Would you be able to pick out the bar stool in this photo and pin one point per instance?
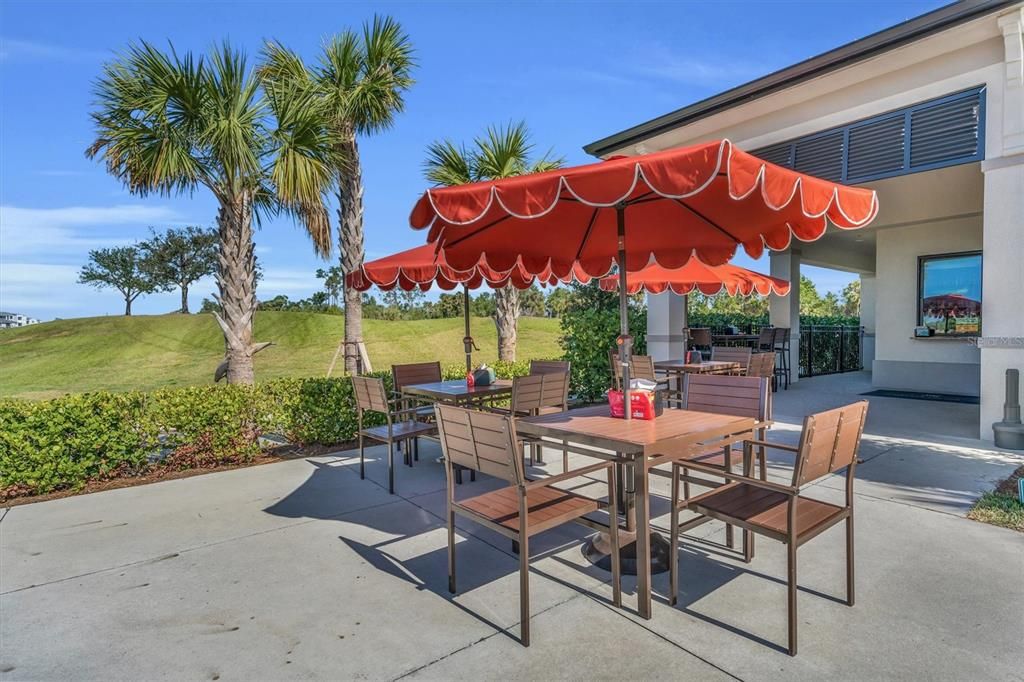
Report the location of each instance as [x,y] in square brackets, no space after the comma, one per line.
[780,344]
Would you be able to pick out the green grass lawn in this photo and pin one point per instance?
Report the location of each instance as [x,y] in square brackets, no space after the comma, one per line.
[155,351]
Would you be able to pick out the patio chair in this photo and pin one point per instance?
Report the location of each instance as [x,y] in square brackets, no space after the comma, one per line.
[486,442]
[700,339]
[740,354]
[765,338]
[534,395]
[780,345]
[415,373]
[722,394]
[549,366]
[828,445]
[400,426]
[763,365]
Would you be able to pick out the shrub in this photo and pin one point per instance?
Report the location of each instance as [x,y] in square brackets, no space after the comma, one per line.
[590,326]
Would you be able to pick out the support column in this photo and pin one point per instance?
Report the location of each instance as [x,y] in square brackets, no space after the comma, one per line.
[784,311]
[868,292]
[1002,325]
[666,317]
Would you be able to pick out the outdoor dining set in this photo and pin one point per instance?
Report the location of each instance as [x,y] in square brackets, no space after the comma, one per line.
[712,437]
[664,221]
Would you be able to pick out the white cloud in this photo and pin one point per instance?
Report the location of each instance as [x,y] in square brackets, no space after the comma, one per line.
[25,231]
[289,282]
[12,49]
[31,288]
[659,61]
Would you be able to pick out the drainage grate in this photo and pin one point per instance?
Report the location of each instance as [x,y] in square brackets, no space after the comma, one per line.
[934,397]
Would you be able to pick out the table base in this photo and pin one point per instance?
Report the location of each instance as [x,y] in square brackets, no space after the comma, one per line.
[597,550]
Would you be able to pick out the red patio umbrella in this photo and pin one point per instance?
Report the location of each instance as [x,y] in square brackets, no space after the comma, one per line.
[424,266]
[664,207]
[696,276]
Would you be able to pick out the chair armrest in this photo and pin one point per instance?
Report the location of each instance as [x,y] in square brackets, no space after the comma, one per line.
[756,482]
[777,446]
[409,410]
[575,473]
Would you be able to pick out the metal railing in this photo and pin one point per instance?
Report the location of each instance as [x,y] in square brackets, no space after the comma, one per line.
[830,350]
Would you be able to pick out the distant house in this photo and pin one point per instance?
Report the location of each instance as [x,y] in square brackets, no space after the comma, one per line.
[9,320]
[930,113]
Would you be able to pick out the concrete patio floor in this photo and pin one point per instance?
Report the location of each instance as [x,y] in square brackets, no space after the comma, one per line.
[301,570]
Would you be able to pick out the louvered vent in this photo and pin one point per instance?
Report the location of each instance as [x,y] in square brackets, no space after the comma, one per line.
[779,154]
[876,148]
[821,156]
[945,132]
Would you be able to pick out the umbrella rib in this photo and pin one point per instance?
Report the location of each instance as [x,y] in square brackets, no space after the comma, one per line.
[456,242]
[709,221]
[586,235]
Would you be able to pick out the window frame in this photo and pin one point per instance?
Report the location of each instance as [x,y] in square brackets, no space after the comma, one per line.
[921,260]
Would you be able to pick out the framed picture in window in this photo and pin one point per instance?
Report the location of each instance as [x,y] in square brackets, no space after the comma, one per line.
[949,293]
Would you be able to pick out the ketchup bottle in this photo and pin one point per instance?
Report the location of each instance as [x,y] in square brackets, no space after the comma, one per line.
[469,380]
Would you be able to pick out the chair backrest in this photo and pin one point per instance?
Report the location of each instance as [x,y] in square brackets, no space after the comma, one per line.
[724,394]
[732,354]
[482,441]
[761,365]
[829,442]
[533,392]
[642,367]
[415,373]
[766,337]
[549,366]
[700,336]
[780,337]
[370,394]
[613,361]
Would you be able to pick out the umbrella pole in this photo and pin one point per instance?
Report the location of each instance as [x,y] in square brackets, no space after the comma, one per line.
[625,341]
[467,340]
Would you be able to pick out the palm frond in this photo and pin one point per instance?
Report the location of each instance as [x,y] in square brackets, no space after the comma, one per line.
[448,164]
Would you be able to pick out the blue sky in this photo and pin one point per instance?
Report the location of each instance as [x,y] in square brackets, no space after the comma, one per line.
[574,71]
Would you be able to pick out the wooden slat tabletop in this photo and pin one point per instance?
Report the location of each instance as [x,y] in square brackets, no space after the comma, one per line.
[706,367]
[456,390]
[596,427]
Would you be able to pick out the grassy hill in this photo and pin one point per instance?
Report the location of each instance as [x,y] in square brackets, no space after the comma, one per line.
[145,352]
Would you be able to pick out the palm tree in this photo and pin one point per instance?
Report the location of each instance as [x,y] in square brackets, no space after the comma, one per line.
[503,152]
[361,79]
[168,124]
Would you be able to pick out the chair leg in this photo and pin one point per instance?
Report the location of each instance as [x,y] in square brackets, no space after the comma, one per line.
[730,542]
[613,536]
[524,590]
[416,449]
[362,456]
[565,456]
[391,467]
[673,548]
[451,551]
[791,561]
[849,560]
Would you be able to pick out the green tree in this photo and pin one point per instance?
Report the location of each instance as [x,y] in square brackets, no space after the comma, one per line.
[851,299]
[334,282]
[361,79]
[557,301]
[179,257]
[122,268]
[168,123]
[503,152]
[482,305]
[449,305]
[531,301]
[590,326]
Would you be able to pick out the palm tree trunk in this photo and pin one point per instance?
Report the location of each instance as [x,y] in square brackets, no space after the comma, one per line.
[184,298]
[350,235]
[506,317]
[236,281]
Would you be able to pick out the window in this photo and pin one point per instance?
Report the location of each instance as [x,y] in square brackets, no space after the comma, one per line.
[949,293]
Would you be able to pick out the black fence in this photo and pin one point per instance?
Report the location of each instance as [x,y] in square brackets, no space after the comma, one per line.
[830,350]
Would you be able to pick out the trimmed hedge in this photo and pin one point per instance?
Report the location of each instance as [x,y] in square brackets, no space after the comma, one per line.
[69,441]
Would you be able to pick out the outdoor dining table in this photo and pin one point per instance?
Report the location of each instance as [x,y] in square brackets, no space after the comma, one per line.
[675,369]
[634,445]
[456,392]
